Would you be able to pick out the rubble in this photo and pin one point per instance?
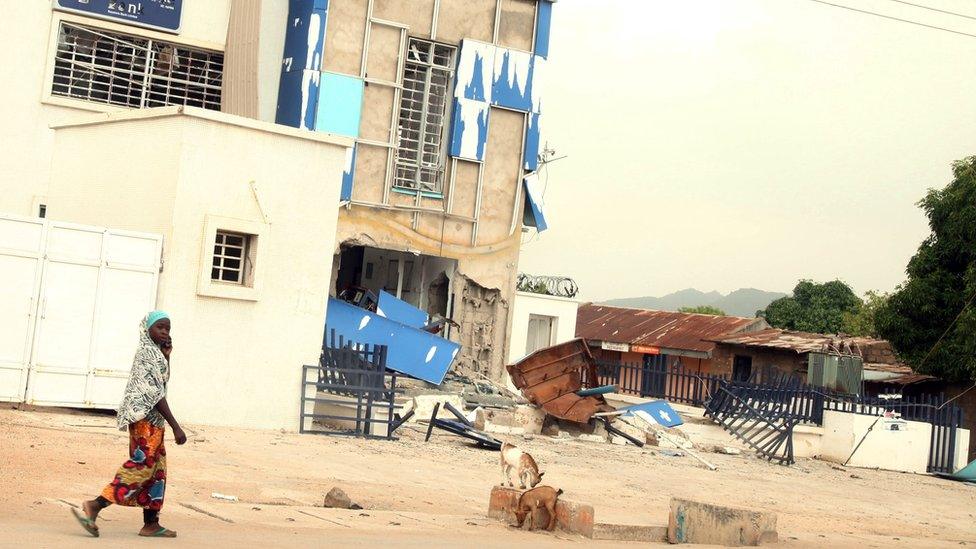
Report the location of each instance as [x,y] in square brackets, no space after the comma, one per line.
[338,499]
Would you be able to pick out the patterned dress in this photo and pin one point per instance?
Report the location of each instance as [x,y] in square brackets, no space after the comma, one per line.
[141,480]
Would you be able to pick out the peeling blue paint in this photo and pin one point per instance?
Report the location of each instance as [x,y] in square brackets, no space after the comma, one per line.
[469,131]
[340,104]
[305,35]
[476,64]
[531,153]
[534,214]
[298,93]
[543,22]
[512,80]
[347,174]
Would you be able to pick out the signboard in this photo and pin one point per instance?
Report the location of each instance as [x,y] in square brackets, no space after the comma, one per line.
[610,346]
[164,15]
[656,411]
[647,350]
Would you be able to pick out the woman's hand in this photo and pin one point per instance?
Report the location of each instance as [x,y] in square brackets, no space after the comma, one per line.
[179,435]
[167,348]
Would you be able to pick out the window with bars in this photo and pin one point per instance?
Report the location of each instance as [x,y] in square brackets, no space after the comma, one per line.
[96,65]
[230,258]
[427,77]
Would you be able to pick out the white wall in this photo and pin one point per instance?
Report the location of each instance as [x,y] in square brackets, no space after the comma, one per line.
[27,35]
[526,304]
[236,362]
[906,450]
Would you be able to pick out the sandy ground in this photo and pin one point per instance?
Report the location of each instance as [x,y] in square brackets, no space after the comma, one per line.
[434,494]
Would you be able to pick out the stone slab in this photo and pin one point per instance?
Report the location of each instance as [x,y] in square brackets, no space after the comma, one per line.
[571,516]
[697,522]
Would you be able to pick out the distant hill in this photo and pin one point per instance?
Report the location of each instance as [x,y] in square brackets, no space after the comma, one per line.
[742,302]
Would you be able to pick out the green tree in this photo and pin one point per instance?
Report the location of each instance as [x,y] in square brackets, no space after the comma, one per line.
[813,307]
[930,318]
[703,310]
[861,323]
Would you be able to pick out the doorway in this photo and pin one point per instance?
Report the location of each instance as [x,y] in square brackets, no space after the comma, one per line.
[741,368]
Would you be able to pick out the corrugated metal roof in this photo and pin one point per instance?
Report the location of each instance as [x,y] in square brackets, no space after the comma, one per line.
[665,329]
[774,338]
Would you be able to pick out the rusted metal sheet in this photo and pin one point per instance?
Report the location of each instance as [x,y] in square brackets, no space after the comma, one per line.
[550,378]
[683,331]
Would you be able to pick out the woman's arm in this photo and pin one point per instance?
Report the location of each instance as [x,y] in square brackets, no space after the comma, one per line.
[163,407]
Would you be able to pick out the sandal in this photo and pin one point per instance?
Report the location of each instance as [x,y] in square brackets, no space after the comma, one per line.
[86,523]
[161,533]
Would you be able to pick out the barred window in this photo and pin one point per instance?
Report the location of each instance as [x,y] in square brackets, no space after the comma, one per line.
[96,65]
[230,258]
[427,77]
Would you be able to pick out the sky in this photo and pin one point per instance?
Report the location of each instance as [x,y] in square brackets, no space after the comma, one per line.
[721,144]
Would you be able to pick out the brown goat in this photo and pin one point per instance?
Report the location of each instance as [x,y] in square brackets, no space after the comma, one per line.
[536,498]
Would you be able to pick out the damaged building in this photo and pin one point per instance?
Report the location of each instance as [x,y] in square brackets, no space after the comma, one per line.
[443,99]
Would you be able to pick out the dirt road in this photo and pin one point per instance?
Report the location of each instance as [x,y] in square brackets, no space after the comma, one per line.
[435,494]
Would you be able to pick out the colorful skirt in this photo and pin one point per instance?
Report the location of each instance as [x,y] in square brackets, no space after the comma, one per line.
[141,481]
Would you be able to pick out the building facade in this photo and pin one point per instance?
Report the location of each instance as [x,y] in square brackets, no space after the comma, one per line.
[440,98]
[444,100]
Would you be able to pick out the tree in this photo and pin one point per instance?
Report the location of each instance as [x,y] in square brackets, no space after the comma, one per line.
[703,310]
[930,319]
[813,307]
[861,323]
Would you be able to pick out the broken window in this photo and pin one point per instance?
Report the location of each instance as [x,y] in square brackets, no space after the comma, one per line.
[420,156]
[129,71]
[230,258]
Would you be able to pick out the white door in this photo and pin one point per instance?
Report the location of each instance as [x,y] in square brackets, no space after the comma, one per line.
[97,284]
[71,299]
[21,252]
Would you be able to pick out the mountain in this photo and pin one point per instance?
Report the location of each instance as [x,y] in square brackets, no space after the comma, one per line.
[742,302]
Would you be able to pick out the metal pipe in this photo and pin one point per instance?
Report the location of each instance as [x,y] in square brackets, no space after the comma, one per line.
[433,20]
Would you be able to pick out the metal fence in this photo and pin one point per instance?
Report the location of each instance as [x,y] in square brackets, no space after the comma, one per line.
[656,380]
[350,392]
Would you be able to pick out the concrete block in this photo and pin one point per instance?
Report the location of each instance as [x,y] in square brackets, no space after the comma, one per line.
[423,406]
[696,522]
[521,420]
[571,516]
[630,532]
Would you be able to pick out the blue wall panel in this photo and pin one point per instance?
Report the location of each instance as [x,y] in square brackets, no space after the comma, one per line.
[532,142]
[476,65]
[410,351]
[534,216]
[340,104]
[298,93]
[542,23]
[345,193]
[305,35]
[469,129]
[512,80]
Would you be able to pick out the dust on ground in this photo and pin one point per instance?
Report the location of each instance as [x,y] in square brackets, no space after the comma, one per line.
[418,494]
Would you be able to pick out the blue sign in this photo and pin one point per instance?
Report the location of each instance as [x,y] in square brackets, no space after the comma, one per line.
[659,410]
[401,311]
[164,15]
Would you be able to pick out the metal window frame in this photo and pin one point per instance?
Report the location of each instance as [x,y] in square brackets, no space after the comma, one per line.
[220,242]
[152,87]
[418,184]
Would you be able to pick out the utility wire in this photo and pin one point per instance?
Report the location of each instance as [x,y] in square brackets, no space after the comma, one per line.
[934,9]
[893,18]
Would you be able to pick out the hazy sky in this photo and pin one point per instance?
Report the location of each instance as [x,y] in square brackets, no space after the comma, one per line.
[721,144]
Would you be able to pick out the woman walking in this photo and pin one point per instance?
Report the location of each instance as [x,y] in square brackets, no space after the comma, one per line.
[144,412]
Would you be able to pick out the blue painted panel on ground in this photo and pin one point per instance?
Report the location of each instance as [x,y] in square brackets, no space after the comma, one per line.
[305,35]
[340,104]
[409,351]
[659,410]
[298,93]
[397,309]
[165,15]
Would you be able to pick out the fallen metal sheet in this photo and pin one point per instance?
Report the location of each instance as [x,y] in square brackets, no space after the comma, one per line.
[550,378]
[409,351]
[399,310]
[462,428]
[658,410]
